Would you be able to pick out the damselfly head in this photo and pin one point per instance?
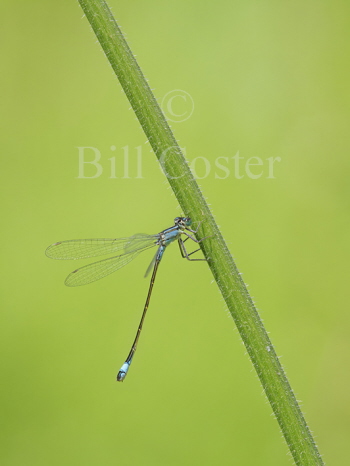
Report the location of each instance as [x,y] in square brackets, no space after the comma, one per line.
[183,221]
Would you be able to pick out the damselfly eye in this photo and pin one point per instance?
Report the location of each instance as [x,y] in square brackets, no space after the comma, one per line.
[186,221]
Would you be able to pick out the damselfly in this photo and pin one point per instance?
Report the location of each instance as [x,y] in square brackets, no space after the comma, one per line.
[129,248]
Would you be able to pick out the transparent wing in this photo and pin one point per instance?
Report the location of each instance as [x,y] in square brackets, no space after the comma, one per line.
[83,248]
[151,265]
[97,270]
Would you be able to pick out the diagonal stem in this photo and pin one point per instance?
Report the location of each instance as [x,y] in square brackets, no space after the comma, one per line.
[192,202]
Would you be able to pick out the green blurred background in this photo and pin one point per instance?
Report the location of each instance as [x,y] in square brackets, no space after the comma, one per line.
[268,79]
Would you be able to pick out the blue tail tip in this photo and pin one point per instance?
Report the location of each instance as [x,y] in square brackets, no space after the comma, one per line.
[123,371]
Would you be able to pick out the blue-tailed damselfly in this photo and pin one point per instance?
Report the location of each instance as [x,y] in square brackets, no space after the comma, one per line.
[130,248]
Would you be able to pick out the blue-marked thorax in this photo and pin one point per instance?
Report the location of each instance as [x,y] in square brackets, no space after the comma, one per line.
[171,235]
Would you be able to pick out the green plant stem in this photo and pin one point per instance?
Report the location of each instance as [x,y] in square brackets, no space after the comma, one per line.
[191,200]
